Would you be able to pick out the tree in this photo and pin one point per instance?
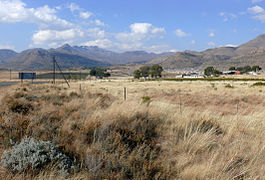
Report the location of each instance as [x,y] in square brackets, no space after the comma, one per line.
[244,69]
[145,71]
[255,68]
[107,74]
[156,70]
[216,72]
[232,68]
[93,72]
[137,74]
[208,71]
[99,73]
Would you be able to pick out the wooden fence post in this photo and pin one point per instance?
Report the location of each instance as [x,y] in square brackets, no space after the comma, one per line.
[124,93]
[180,110]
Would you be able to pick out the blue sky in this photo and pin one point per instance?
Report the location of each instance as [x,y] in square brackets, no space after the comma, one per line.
[127,25]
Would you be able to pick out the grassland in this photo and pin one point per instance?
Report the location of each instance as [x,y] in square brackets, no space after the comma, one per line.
[164,129]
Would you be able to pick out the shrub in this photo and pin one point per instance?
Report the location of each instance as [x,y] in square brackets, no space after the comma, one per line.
[146,99]
[18,106]
[229,86]
[126,149]
[34,155]
[258,84]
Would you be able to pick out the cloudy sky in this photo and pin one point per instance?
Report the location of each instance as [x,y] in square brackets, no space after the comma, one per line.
[126,25]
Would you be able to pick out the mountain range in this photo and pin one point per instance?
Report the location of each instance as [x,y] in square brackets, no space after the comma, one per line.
[250,53]
[71,56]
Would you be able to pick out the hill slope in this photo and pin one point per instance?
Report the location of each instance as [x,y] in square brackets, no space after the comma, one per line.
[42,59]
[94,52]
[250,53]
[6,54]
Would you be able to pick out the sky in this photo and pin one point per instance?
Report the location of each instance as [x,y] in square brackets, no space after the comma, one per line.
[129,25]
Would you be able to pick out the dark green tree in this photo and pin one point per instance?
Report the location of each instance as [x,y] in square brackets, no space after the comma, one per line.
[137,74]
[216,72]
[208,71]
[256,68]
[99,73]
[156,71]
[232,68]
[145,71]
[107,74]
[244,69]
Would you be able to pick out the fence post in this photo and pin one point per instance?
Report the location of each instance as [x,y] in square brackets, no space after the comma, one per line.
[22,78]
[53,70]
[180,110]
[124,93]
[237,109]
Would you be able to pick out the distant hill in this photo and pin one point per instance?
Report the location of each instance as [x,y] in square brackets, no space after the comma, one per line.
[34,59]
[72,56]
[6,54]
[250,53]
[111,57]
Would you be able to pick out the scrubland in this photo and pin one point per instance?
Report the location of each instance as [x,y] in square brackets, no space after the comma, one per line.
[163,130]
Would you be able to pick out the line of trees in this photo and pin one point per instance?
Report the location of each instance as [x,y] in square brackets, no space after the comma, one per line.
[154,71]
[99,73]
[245,69]
[211,71]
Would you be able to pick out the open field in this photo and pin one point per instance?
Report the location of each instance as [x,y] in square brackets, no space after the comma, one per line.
[164,129]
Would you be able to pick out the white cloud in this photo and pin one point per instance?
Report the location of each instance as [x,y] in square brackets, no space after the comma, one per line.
[212,44]
[211,34]
[13,11]
[256,1]
[227,16]
[85,15]
[260,17]
[231,45]
[193,42]
[97,22]
[6,46]
[102,43]
[139,32]
[256,10]
[82,14]
[95,33]
[55,37]
[73,7]
[180,33]
[259,13]
[144,28]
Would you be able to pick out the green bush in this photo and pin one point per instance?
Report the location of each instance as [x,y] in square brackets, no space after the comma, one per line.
[259,84]
[229,86]
[146,99]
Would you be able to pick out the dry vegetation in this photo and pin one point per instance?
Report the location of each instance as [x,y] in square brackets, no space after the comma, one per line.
[164,130]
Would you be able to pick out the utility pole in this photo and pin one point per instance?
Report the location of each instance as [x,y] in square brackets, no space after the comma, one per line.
[10,74]
[61,73]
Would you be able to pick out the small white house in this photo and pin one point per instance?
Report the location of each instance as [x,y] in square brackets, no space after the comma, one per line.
[189,75]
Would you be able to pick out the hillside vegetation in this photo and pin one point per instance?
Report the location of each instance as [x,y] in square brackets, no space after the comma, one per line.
[164,130]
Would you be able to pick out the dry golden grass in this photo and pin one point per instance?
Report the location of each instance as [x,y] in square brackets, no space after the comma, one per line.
[199,130]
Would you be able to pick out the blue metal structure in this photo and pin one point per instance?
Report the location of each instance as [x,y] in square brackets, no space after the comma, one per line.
[26,75]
